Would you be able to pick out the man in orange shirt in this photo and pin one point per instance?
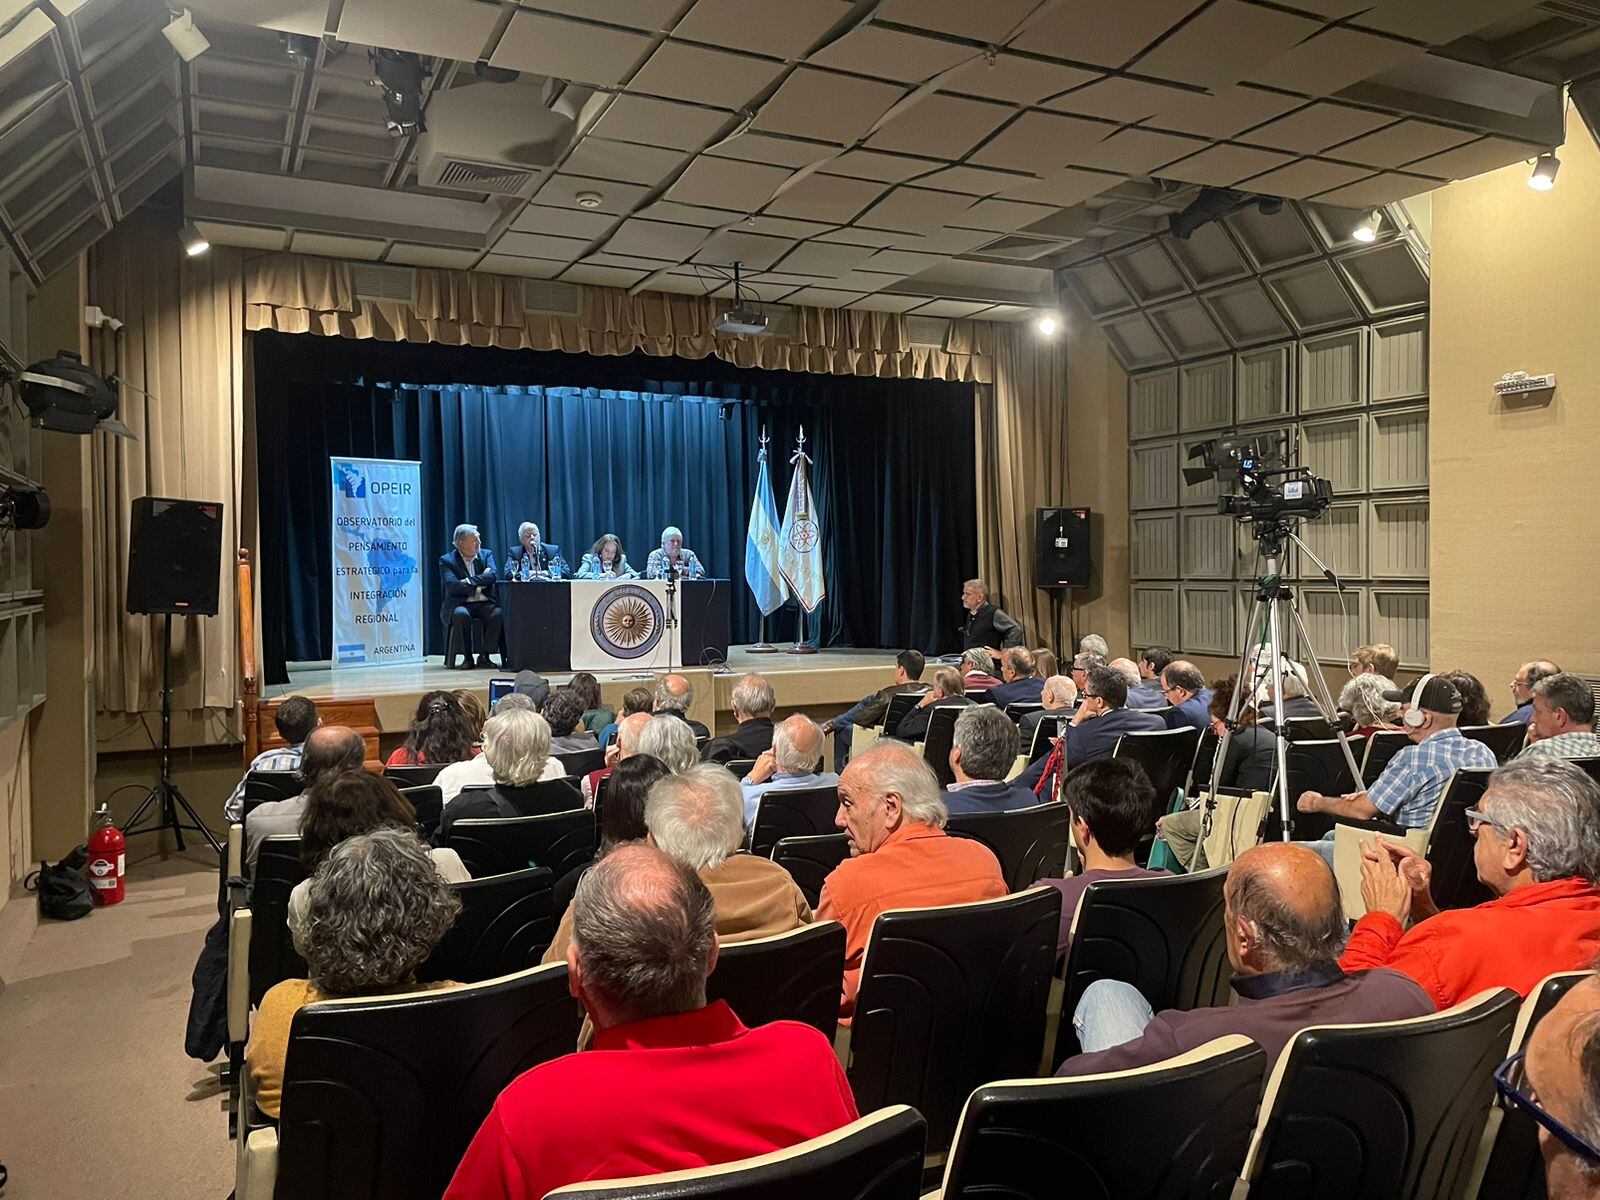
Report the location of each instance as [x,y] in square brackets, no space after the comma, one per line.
[1537,847]
[901,857]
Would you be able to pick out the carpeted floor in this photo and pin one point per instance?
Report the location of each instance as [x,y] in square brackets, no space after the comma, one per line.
[96,1095]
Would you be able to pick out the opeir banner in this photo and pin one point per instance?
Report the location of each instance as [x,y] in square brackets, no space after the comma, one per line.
[377,549]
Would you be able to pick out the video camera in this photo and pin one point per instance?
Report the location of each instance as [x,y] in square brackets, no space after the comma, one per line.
[1255,467]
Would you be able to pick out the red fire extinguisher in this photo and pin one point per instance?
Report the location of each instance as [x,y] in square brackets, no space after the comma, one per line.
[106,864]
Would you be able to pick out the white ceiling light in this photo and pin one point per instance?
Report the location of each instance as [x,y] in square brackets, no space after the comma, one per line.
[1544,172]
[194,242]
[1367,230]
[589,199]
[188,41]
[1047,324]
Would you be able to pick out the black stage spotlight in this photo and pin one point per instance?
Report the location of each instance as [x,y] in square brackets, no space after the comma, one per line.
[300,47]
[1214,203]
[65,396]
[24,508]
[400,74]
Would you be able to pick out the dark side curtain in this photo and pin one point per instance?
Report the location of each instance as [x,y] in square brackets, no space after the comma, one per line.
[584,445]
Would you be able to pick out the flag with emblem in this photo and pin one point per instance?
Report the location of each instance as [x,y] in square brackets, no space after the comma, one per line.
[761,543]
[800,539]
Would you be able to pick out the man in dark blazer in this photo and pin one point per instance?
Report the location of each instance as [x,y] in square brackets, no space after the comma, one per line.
[468,578]
[983,748]
[753,701]
[531,549]
[1185,689]
[1100,721]
[985,624]
[948,692]
[1021,675]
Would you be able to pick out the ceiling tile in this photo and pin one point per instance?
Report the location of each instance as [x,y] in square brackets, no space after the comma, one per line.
[777,151]
[1486,154]
[891,54]
[1227,112]
[1224,165]
[619,198]
[1134,342]
[1118,98]
[1108,33]
[1386,276]
[784,30]
[748,249]
[1246,314]
[456,29]
[615,277]
[915,210]
[1188,327]
[1384,188]
[1063,188]
[953,308]
[653,122]
[256,238]
[946,241]
[786,227]
[539,245]
[1402,143]
[1315,127]
[874,164]
[1015,78]
[1272,241]
[1439,21]
[1334,59]
[687,214]
[335,246]
[290,16]
[888,302]
[1002,216]
[653,15]
[941,126]
[679,71]
[823,258]
[1040,142]
[431,256]
[826,106]
[567,222]
[528,268]
[975,181]
[1313,296]
[1225,43]
[727,183]
[830,198]
[1137,151]
[901,262]
[1149,271]
[627,261]
[851,236]
[988,22]
[655,239]
[822,298]
[1100,288]
[1208,256]
[1305,178]
[629,162]
[565,49]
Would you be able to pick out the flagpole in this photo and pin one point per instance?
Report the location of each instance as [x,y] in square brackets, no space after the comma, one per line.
[800,646]
[763,646]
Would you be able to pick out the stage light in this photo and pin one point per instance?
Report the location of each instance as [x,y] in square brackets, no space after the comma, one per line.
[24,508]
[400,74]
[194,242]
[1047,324]
[188,41]
[1367,229]
[1544,172]
[64,396]
[301,48]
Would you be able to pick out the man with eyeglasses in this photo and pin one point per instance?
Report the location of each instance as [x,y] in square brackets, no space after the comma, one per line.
[1101,720]
[1522,685]
[1185,690]
[1556,1081]
[1536,846]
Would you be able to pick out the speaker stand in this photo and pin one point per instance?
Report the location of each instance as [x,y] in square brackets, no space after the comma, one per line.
[165,797]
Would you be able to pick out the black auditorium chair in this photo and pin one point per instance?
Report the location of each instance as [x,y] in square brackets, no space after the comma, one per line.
[579,763]
[792,812]
[791,976]
[878,1157]
[936,744]
[1455,882]
[1031,843]
[1590,766]
[1505,740]
[810,860]
[978,696]
[1315,766]
[1176,1130]
[428,800]
[272,954]
[1166,757]
[1163,934]
[262,786]
[1307,729]
[950,998]
[739,767]
[900,704]
[1022,708]
[1387,1111]
[1381,747]
[413,776]
[1048,727]
[1205,754]
[505,925]
[498,845]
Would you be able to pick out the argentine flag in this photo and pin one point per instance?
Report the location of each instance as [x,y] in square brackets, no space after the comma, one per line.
[761,543]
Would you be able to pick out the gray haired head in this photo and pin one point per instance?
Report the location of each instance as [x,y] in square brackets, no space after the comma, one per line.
[463,532]
[753,697]
[516,742]
[670,739]
[987,740]
[797,744]
[1557,806]
[697,817]
[895,768]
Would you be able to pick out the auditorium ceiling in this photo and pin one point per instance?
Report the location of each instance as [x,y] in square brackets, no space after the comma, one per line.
[937,157]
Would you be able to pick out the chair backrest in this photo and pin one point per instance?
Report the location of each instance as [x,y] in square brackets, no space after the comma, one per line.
[1306,729]
[261,786]
[428,800]
[382,1095]
[1162,934]
[790,976]
[1505,740]
[1172,1131]
[1166,757]
[580,762]
[1591,766]
[977,695]
[1205,754]
[413,776]
[273,957]
[878,1157]
[499,845]
[1450,847]
[1381,747]
[810,860]
[951,998]
[899,705]
[1424,1086]
[1316,766]
[739,767]
[1049,727]
[792,812]
[1031,843]
[505,925]
[1022,708]
[941,736]
[600,800]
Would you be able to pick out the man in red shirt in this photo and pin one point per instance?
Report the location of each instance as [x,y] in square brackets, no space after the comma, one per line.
[1537,847]
[672,1082]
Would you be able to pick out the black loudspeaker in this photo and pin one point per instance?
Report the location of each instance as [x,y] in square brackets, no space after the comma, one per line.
[174,556]
[1061,548]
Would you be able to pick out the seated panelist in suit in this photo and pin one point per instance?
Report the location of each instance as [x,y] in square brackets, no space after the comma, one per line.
[671,556]
[533,552]
[468,576]
[606,560]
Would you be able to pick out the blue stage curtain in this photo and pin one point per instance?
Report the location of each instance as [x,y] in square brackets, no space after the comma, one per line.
[585,445]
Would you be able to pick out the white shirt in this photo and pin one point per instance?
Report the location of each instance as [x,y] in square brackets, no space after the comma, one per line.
[476,772]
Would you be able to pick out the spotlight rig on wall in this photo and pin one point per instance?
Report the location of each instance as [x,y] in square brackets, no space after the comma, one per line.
[400,74]
[1214,203]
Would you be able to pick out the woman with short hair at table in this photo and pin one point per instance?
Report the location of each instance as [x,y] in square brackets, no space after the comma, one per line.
[606,560]
[673,555]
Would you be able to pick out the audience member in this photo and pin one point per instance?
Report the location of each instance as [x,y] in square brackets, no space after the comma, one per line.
[1474,699]
[1528,674]
[1284,929]
[1058,696]
[671,740]
[625,747]
[1363,699]
[901,857]
[517,747]
[1251,764]
[562,712]
[373,913]
[328,750]
[791,763]
[1563,719]
[674,698]
[621,818]
[982,753]
[595,715]
[634,700]
[672,1082]
[472,708]
[986,625]
[476,771]
[1296,701]
[1093,732]
[977,670]
[1557,1082]
[1537,848]
[753,701]
[1111,802]
[1375,658]
[870,711]
[1045,663]
[1022,681]
[295,718]
[949,691]
[1185,689]
[1150,693]
[1128,670]
[1093,643]
[440,733]
[1082,663]
[532,685]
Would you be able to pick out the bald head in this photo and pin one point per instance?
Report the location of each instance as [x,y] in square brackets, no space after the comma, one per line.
[797,744]
[330,749]
[628,731]
[1283,911]
[1528,674]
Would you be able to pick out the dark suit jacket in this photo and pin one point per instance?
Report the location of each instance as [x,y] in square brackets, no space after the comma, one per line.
[1194,713]
[460,578]
[514,556]
[502,800]
[1018,691]
[699,730]
[1521,715]
[990,627]
[1097,737]
[914,725]
[748,741]
[998,796]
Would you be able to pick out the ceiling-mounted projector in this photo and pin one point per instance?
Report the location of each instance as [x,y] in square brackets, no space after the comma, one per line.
[742,318]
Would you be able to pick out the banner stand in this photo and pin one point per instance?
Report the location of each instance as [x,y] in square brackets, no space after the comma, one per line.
[377,561]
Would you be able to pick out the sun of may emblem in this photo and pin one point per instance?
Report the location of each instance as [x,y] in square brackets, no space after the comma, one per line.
[803,536]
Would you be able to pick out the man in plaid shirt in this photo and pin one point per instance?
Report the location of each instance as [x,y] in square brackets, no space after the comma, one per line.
[1563,720]
[1409,789]
[296,718]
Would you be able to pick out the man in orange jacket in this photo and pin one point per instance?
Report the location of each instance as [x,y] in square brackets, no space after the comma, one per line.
[1537,847]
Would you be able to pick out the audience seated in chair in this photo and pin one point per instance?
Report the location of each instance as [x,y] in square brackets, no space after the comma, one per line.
[1528,674]
[791,763]
[672,1081]
[1537,847]
[949,691]
[908,668]
[595,716]
[563,712]
[1058,696]
[753,701]
[977,670]
[373,913]
[517,744]
[621,817]
[1284,930]
[671,740]
[477,771]
[1082,663]
[1185,690]
[984,749]
[674,695]
[295,718]
[1562,725]
[1557,1082]
[1110,802]
[1251,765]
[1150,693]
[1408,791]
[1296,701]
[1021,681]
[626,745]
[892,813]
[329,749]
[1363,698]
[634,700]
[1474,698]
[1375,658]
[440,733]
[1096,727]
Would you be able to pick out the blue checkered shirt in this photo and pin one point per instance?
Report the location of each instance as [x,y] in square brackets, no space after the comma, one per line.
[1409,789]
[280,758]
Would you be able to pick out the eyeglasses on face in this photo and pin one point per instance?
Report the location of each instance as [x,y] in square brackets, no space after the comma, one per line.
[1511,1082]
[1477,818]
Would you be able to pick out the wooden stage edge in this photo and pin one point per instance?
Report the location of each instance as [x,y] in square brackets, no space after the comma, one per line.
[822,684]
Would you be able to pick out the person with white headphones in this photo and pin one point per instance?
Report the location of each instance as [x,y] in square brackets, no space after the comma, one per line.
[1409,789]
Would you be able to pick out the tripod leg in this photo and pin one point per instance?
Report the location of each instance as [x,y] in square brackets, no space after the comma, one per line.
[1325,701]
[199,826]
[170,818]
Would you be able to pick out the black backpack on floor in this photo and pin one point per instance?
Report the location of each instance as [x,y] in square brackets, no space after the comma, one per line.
[64,891]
